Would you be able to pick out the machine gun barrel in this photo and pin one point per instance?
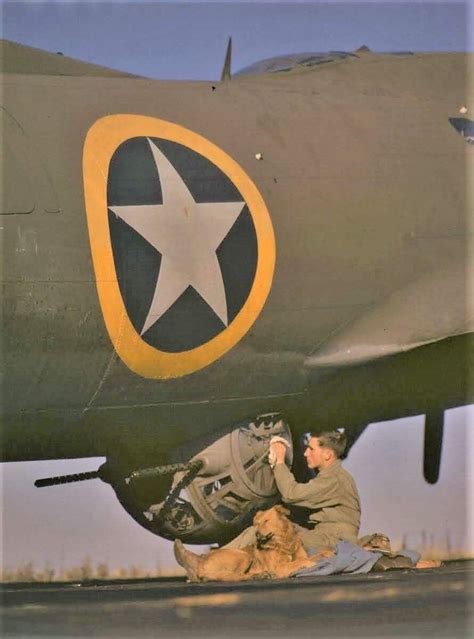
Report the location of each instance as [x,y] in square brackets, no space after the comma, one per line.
[67,479]
[170,469]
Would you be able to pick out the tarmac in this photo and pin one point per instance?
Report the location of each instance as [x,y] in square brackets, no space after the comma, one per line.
[399,603]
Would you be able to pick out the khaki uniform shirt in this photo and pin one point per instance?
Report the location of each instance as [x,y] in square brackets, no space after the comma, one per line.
[333,499]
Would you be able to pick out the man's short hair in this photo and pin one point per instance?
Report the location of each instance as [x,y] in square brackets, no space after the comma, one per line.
[332,439]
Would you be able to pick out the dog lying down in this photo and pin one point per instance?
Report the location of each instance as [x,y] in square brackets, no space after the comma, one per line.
[279,553]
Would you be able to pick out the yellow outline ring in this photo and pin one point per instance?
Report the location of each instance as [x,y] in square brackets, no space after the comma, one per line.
[101,149]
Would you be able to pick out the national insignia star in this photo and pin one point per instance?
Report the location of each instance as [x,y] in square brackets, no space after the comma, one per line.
[187,234]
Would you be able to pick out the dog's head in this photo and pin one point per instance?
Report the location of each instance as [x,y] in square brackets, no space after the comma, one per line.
[271,523]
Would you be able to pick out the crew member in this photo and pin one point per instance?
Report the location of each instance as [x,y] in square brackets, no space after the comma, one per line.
[331,496]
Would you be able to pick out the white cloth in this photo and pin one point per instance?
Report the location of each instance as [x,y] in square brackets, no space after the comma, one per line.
[271,454]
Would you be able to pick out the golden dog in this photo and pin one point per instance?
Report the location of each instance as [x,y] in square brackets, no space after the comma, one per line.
[279,553]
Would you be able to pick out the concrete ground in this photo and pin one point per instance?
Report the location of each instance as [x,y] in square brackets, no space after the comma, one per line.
[407,603]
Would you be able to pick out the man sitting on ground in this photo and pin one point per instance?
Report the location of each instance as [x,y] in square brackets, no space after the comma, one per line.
[331,496]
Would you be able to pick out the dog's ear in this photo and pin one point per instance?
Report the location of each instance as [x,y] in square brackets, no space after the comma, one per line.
[282,510]
[257,517]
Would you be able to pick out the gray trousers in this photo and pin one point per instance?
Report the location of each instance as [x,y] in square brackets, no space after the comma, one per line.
[316,539]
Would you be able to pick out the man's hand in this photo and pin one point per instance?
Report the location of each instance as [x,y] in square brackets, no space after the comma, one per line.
[279,450]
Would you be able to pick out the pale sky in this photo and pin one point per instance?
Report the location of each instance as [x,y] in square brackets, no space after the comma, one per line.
[188,40]
[167,40]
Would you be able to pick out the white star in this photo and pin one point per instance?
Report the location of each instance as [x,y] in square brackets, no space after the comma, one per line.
[187,234]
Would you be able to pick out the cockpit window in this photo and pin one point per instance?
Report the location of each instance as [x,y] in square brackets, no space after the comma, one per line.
[289,62]
[285,63]
[464,127]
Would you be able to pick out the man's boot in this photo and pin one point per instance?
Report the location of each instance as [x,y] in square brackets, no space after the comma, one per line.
[399,562]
